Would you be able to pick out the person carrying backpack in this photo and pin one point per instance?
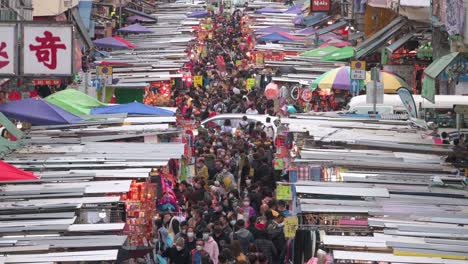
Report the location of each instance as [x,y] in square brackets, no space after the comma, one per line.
[243,236]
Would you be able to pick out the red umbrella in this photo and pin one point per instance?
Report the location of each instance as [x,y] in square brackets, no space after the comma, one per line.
[271,91]
[11,173]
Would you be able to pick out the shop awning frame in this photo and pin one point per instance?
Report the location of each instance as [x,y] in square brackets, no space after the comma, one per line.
[136,12]
[380,37]
[439,65]
[397,44]
[313,20]
[332,27]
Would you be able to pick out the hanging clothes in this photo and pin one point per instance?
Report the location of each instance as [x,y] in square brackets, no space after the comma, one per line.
[304,246]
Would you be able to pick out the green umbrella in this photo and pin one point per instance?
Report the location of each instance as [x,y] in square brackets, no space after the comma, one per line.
[320,52]
[341,54]
[74,101]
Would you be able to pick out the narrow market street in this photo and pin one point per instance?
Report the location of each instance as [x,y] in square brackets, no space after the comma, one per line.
[234,132]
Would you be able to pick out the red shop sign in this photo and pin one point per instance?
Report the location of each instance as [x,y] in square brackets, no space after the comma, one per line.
[46,82]
[319,5]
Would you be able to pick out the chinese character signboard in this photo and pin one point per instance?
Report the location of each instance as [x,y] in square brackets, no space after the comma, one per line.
[319,5]
[8,51]
[290,226]
[47,49]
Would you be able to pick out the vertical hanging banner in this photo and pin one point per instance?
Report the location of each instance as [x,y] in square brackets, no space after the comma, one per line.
[198,80]
[8,49]
[47,49]
[259,59]
[320,5]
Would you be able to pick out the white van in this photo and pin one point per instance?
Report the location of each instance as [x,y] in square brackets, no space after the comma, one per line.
[441,112]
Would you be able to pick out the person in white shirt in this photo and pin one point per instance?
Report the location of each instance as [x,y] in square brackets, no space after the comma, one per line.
[252,110]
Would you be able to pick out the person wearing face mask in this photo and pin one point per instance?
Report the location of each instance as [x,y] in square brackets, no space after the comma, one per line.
[198,253]
[246,209]
[242,235]
[183,231]
[191,241]
[211,247]
[177,254]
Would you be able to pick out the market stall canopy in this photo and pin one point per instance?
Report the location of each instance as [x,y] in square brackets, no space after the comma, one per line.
[114,43]
[278,36]
[267,10]
[11,173]
[74,101]
[134,108]
[199,14]
[320,52]
[37,112]
[135,28]
[137,18]
[341,54]
[272,29]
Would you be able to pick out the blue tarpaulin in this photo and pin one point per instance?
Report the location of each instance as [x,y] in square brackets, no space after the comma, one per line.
[38,112]
[134,108]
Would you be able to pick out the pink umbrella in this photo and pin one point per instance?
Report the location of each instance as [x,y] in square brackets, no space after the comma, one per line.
[271,91]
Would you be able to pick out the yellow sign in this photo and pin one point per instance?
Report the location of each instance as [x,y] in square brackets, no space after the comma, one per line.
[283,192]
[250,83]
[198,80]
[259,58]
[104,70]
[290,226]
[358,65]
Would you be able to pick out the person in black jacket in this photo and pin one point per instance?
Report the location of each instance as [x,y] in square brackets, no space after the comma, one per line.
[178,253]
[219,236]
[265,246]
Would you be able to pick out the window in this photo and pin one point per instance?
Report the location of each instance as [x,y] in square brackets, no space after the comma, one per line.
[5,4]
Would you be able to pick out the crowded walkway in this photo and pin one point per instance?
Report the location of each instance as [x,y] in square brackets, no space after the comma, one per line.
[231,213]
